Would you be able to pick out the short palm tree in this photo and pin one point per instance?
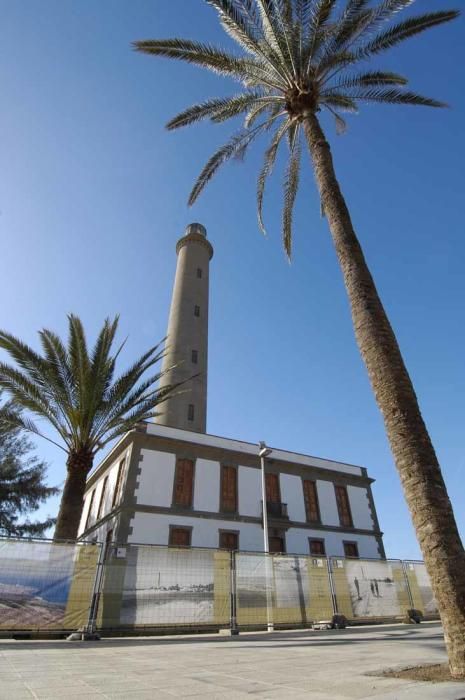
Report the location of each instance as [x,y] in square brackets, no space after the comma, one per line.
[298,58]
[76,393]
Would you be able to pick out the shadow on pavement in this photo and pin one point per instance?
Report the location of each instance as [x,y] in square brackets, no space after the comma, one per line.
[353,635]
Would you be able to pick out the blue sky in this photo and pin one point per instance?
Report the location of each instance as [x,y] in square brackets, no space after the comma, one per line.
[93,198]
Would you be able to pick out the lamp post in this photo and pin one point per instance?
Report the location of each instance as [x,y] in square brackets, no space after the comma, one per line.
[263,453]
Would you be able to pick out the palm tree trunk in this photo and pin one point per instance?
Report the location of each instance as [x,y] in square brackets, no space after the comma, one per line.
[78,465]
[413,452]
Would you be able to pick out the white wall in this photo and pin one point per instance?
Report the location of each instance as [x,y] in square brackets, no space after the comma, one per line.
[112,473]
[250,493]
[155,482]
[292,493]
[327,502]
[207,485]
[297,541]
[360,507]
[153,528]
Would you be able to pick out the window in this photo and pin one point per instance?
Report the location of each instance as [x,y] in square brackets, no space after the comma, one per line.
[199,273]
[276,544]
[311,501]
[196,310]
[317,548]
[228,501]
[195,357]
[183,483]
[229,539]
[89,512]
[343,506]
[180,536]
[351,549]
[108,541]
[116,492]
[101,505]
[272,488]
[190,412]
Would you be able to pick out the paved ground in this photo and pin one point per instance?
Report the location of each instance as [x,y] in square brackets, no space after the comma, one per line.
[288,665]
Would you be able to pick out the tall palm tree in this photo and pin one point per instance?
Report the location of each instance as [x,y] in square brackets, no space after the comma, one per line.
[76,393]
[297,58]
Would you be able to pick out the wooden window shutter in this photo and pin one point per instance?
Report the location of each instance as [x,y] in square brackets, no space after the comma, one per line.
[351,549]
[272,488]
[343,506]
[116,492]
[180,537]
[102,498]
[311,501]
[228,489]
[89,512]
[229,540]
[317,548]
[184,483]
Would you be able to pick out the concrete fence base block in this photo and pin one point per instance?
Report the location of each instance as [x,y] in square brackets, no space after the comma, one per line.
[229,632]
[83,636]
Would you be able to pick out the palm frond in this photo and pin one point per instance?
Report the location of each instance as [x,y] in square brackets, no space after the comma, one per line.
[27,394]
[272,33]
[320,14]
[246,30]
[11,419]
[210,108]
[353,20]
[385,11]
[404,30]
[291,185]
[204,55]
[340,101]
[241,103]
[235,146]
[371,78]
[394,96]
[268,163]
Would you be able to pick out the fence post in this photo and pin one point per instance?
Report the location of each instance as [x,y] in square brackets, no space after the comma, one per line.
[329,567]
[407,583]
[233,591]
[93,609]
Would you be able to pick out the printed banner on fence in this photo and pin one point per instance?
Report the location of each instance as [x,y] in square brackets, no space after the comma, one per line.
[369,588]
[160,586]
[36,582]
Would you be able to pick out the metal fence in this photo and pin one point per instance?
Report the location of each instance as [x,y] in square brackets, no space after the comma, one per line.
[50,586]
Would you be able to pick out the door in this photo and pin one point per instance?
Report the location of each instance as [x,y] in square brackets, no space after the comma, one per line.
[276,544]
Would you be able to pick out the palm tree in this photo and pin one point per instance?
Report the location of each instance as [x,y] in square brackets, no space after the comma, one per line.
[76,393]
[299,57]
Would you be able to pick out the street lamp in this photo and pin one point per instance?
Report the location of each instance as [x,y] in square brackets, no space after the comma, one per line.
[263,453]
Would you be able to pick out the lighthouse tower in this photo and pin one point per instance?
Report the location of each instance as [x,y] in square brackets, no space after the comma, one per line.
[187,342]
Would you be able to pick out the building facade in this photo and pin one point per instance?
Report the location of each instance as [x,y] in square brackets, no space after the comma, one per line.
[163,485]
[171,483]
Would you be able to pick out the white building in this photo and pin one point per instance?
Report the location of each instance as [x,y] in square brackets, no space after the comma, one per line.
[162,485]
[170,482]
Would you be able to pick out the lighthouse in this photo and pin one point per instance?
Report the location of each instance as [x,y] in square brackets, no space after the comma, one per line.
[187,338]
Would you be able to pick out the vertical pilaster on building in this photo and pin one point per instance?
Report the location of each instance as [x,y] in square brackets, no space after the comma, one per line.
[187,342]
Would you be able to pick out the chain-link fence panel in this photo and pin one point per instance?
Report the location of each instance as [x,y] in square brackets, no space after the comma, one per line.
[46,585]
[420,587]
[370,588]
[152,586]
[281,589]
